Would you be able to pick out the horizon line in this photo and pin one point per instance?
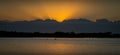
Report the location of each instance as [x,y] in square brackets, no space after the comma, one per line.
[38,19]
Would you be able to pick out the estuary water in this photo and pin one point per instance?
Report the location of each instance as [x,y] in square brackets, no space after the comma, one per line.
[59,46]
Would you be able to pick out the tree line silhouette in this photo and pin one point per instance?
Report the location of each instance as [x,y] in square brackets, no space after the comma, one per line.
[59,34]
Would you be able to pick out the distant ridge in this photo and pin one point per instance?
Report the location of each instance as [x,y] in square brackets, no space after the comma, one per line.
[51,26]
[76,20]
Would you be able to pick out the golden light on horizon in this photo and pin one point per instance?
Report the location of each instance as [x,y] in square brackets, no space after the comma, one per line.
[60,12]
[61,15]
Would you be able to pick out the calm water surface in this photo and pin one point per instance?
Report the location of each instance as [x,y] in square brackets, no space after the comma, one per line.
[60,46]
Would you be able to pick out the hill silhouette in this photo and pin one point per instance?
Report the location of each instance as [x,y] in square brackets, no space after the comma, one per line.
[51,26]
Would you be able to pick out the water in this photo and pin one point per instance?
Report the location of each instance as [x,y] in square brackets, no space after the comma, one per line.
[59,46]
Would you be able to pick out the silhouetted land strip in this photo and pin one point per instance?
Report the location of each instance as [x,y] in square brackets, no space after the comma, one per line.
[59,35]
[74,25]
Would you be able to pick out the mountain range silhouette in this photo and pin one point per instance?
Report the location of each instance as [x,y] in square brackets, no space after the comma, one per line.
[51,26]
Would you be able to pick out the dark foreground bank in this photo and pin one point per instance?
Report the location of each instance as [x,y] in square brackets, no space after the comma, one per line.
[59,34]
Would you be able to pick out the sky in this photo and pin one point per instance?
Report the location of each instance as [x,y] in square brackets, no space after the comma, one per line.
[59,10]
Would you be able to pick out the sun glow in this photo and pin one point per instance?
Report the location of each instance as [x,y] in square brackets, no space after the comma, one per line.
[60,16]
[57,48]
[60,12]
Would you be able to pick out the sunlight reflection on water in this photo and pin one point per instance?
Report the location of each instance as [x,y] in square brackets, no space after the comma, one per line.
[61,46]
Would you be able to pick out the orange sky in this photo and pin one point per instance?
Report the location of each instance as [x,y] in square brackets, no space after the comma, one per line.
[58,10]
